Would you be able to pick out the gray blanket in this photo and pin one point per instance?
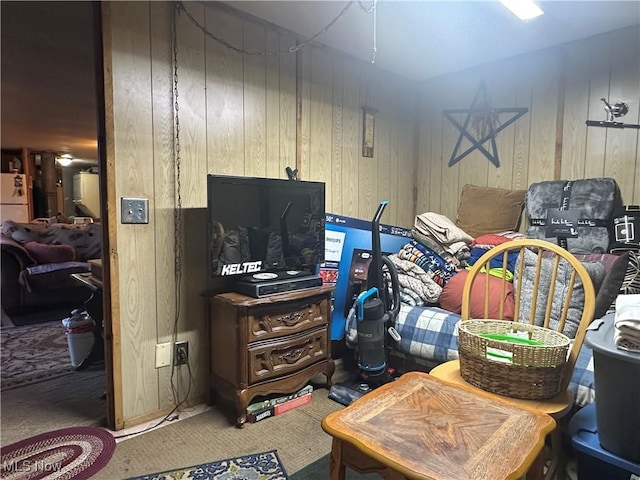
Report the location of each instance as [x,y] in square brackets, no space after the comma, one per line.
[560,291]
[593,200]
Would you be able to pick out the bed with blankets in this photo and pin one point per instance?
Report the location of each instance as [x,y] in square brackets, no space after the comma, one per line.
[431,273]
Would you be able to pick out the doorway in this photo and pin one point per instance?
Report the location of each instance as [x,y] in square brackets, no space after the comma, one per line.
[51,104]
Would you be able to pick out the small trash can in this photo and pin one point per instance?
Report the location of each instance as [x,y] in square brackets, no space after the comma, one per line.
[616,375]
[79,331]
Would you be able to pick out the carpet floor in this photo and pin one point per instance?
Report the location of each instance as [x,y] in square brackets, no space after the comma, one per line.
[74,400]
[33,353]
[69,401]
[296,435]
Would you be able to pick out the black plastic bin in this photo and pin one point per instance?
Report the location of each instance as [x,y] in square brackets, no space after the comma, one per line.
[617,390]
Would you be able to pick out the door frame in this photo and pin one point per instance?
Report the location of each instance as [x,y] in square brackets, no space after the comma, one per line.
[106,169]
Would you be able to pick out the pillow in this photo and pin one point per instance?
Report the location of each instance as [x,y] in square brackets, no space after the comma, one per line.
[451,296]
[611,285]
[631,282]
[489,210]
[45,253]
[595,270]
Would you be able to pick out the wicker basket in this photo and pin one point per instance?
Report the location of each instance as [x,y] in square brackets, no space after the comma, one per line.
[532,372]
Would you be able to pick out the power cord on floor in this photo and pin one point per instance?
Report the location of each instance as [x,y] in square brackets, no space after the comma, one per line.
[167,417]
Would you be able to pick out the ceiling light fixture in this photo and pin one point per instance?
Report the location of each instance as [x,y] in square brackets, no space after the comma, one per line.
[64,160]
[523,9]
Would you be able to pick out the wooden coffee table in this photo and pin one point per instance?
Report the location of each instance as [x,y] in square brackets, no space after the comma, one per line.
[421,427]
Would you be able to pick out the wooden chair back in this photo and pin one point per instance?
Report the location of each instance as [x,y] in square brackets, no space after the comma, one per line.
[552,255]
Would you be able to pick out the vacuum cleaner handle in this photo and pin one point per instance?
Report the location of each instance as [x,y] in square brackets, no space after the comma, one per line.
[363,298]
[374,275]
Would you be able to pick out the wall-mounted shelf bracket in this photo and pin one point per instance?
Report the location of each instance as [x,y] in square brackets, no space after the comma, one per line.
[596,123]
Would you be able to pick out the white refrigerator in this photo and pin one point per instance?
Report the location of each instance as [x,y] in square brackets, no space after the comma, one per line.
[14,198]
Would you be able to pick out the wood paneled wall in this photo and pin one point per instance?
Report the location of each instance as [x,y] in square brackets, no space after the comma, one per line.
[239,114]
[257,114]
[562,88]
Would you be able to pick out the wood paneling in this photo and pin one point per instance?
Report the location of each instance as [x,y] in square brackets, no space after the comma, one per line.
[164,170]
[401,183]
[237,115]
[351,142]
[562,88]
[133,152]
[287,99]
[321,118]
[366,168]
[577,58]
[225,101]
[255,95]
[337,156]
[257,114]
[192,104]
[544,102]
[272,106]
[622,144]
[190,234]
[521,152]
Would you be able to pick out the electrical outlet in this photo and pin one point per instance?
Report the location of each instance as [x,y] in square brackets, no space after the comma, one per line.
[163,355]
[181,353]
[134,210]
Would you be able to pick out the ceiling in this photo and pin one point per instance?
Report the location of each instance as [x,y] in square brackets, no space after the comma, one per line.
[428,38]
[47,60]
[48,83]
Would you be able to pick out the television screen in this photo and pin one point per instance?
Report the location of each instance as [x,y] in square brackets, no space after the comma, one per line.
[264,224]
[347,258]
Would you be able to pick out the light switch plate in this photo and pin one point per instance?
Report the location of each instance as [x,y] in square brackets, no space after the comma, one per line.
[163,355]
[134,210]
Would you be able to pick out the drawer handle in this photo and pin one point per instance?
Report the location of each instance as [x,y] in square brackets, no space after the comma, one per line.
[293,355]
[291,319]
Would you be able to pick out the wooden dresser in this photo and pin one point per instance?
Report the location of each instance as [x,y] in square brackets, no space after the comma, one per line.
[274,344]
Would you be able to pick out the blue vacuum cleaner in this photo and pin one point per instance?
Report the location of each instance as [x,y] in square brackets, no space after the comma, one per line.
[376,309]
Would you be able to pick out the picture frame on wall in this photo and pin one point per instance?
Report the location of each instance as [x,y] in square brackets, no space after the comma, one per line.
[368,130]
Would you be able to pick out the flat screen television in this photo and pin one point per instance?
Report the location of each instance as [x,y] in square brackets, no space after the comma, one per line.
[264,225]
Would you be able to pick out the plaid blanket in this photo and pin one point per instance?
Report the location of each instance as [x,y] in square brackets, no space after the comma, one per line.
[431,334]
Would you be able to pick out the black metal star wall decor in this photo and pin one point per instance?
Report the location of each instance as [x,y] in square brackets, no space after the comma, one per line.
[485,120]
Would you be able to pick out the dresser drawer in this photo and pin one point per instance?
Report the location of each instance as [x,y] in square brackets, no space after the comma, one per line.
[289,318]
[286,355]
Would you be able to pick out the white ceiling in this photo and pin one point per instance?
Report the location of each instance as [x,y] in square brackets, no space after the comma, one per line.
[48,89]
[426,38]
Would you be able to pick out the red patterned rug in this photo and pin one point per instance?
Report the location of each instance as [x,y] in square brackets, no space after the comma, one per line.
[32,354]
[69,454]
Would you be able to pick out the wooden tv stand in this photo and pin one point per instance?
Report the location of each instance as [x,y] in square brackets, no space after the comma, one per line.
[274,344]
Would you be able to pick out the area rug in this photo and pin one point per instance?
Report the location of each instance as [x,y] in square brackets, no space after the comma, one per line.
[320,469]
[32,354]
[68,454]
[257,466]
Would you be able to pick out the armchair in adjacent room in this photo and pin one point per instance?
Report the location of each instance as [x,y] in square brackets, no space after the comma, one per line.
[38,259]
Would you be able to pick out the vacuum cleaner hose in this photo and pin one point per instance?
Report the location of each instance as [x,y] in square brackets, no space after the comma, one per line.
[392,304]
